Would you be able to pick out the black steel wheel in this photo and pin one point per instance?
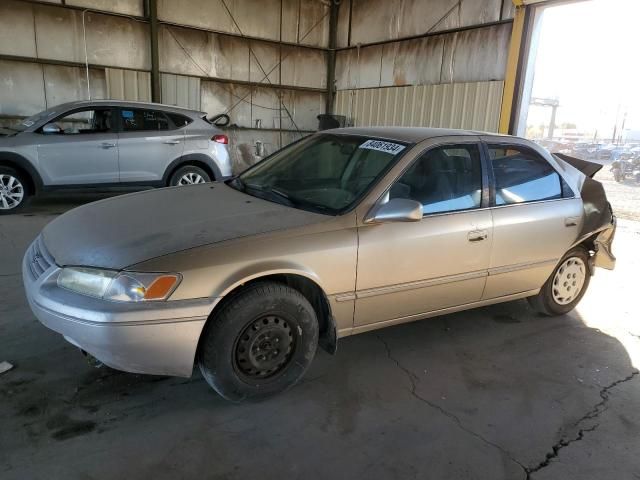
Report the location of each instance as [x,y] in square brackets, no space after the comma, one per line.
[265,347]
[260,342]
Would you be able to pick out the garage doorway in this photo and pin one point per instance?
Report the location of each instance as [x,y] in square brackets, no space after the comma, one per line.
[580,90]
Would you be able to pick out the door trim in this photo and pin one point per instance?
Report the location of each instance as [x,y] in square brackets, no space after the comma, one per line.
[402,287]
[521,266]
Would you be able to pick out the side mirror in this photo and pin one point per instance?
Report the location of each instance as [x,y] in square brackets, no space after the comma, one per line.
[396,210]
[51,128]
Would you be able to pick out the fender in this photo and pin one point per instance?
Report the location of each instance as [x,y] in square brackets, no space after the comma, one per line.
[9,158]
[329,337]
[192,157]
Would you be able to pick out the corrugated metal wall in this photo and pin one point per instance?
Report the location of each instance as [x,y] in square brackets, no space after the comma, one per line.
[181,90]
[264,63]
[474,106]
[128,85]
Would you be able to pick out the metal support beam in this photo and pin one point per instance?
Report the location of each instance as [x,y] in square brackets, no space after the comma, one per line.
[152,14]
[514,68]
[331,56]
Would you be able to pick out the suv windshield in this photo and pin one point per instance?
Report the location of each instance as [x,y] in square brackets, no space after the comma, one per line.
[324,173]
[33,119]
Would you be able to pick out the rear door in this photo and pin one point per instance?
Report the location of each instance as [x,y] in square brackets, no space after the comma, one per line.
[408,269]
[85,152]
[536,218]
[148,142]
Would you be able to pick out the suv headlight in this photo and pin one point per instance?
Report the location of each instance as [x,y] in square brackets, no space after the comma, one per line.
[119,286]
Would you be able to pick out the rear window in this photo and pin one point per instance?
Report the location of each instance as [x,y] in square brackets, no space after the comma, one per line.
[179,120]
[523,176]
[138,120]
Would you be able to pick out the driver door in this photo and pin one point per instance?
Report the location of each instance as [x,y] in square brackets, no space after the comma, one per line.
[84,152]
[408,269]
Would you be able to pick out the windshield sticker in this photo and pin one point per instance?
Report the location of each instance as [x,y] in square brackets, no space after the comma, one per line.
[387,147]
[27,123]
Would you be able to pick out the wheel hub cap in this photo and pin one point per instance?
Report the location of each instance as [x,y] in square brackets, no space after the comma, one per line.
[11,192]
[569,280]
[265,347]
[190,178]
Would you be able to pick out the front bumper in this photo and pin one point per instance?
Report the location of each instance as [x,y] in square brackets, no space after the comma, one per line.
[158,338]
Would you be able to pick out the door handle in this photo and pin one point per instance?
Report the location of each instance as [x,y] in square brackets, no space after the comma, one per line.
[571,221]
[107,145]
[172,142]
[477,235]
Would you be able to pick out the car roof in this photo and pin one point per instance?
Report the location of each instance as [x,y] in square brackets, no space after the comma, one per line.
[406,134]
[129,103]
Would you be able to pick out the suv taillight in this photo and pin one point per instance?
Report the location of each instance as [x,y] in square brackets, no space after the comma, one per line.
[220,139]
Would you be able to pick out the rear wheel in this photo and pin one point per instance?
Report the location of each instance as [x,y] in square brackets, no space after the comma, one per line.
[189,175]
[261,342]
[566,286]
[14,193]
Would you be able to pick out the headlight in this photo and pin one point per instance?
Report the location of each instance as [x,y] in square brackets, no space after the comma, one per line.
[118,286]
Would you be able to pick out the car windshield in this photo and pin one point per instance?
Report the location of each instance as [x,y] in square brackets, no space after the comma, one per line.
[33,119]
[324,173]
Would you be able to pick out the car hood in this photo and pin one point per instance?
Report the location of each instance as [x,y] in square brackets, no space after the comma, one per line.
[122,231]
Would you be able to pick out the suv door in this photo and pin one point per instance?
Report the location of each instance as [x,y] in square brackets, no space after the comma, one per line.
[148,142]
[408,269]
[536,218]
[84,152]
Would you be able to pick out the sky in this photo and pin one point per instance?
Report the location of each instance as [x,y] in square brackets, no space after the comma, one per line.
[589,59]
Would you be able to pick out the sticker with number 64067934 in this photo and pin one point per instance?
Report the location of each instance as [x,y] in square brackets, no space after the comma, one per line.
[388,147]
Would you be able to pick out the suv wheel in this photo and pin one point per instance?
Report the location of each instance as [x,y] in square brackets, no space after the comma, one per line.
[261,342]
[14,194]
[189,175]
[566,286]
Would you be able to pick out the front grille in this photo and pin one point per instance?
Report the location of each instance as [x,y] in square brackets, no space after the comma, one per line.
[40,260]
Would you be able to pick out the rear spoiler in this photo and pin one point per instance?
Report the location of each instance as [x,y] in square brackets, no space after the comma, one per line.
[588,168]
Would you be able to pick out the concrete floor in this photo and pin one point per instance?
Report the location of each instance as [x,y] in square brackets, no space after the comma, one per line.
[494,393]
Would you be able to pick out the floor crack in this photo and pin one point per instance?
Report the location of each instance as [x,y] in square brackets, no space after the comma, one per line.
[413,379]
[595,412]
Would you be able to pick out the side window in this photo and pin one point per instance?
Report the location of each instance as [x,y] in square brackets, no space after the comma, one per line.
[521,176]
[444,179]
[141,120]
[95,120]
[179,120]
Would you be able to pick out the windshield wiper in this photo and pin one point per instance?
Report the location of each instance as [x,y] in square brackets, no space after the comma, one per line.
[270,192]
[295,202]
[237,181]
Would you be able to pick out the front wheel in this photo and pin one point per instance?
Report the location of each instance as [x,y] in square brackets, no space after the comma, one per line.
[14,193]
[261,342]
[566,286]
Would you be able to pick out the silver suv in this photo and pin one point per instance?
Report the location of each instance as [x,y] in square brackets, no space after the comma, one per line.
[106,143]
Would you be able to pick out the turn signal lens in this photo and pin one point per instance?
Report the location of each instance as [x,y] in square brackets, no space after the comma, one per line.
[220,139]
[161,287]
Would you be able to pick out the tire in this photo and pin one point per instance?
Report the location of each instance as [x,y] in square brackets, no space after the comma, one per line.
[566,286]
[14,191]
[236,359]
[188,175]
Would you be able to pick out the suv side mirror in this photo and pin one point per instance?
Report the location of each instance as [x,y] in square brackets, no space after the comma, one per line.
[395,210]
[51,128]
